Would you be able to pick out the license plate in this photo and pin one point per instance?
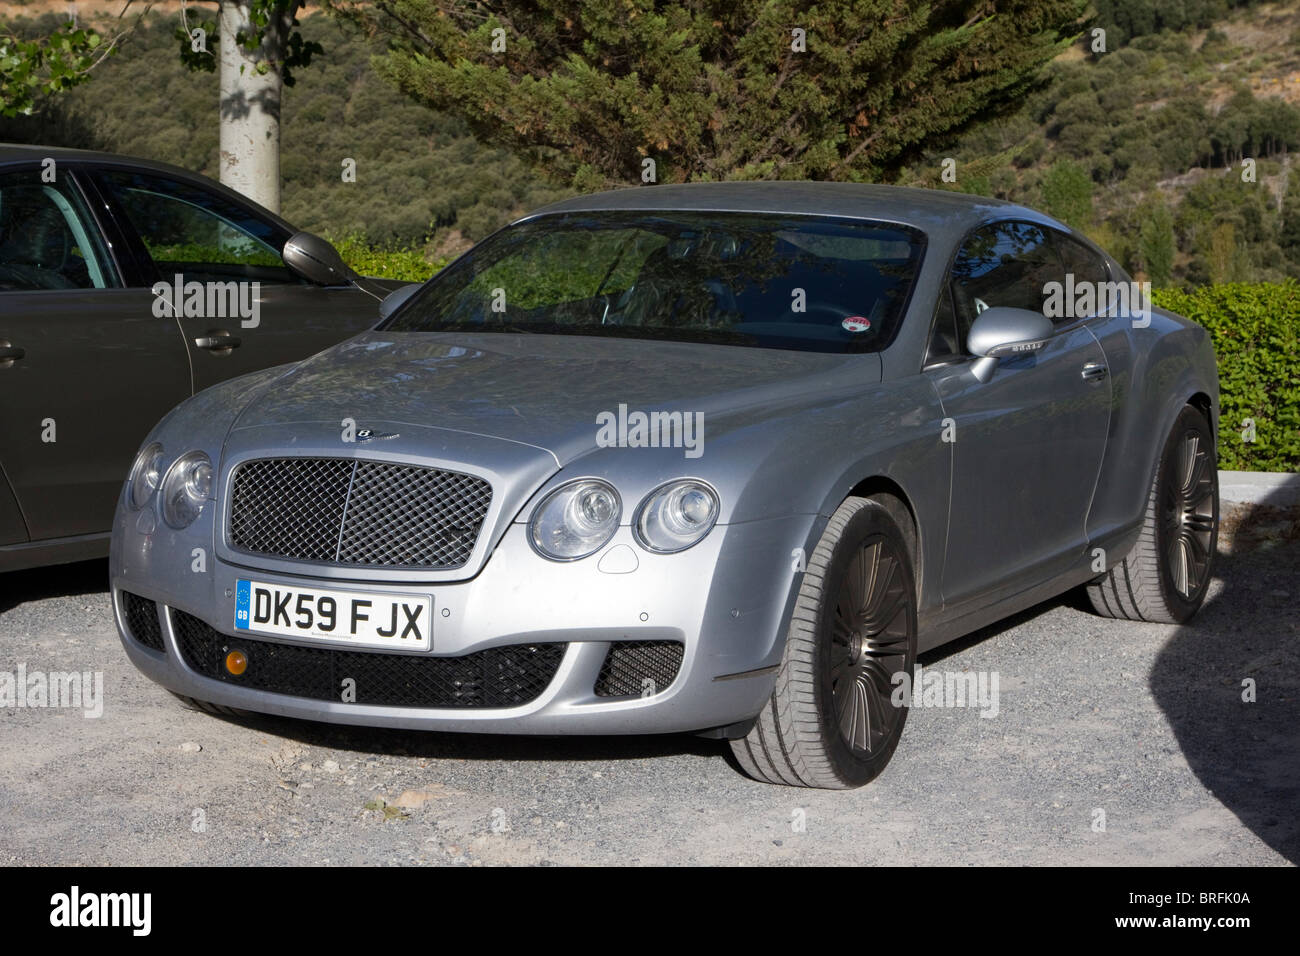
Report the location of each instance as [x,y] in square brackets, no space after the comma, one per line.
[358,618]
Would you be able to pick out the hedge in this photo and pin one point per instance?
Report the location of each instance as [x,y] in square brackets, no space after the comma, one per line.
[1255,328]
[385,261]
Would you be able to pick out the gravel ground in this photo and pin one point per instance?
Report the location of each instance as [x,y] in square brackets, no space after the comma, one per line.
[1143,722]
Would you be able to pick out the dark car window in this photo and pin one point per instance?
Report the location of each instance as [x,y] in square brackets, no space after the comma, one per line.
[805,283]
[1002,264]
[1081,263]
[47,238]
[194,232]
[945,342]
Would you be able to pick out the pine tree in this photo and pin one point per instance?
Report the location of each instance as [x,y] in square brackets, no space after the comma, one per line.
[717,89]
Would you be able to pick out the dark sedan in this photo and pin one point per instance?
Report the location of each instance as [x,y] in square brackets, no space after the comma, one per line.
[126,287]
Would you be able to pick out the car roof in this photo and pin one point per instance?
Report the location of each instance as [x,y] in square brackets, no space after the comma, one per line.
[10,152]
[20,152]
[934,211]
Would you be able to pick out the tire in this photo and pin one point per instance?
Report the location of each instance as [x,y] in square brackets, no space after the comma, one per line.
[1165,577]
[830,721]
[202,705]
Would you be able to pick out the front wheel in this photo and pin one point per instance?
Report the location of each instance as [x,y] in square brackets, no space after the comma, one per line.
[837,712]
[1165,577]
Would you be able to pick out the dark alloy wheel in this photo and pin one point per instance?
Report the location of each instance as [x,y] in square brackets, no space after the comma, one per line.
[869,644]
[1166,574]
[1187,514]
[836,713]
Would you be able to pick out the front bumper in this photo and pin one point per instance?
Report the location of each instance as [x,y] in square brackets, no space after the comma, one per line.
[726,601]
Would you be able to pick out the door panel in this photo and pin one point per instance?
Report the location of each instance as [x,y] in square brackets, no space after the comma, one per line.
[1026,455]
[1027,444]
[12,528]
[218,264]
[86,369]
[294,322]
[97,373]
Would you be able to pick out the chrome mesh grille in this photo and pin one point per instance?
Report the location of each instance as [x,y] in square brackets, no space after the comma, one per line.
[359,513]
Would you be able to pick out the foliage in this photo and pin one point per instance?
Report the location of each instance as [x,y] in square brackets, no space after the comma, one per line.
[1155,248]
[1255,329]
[387,260]
[589,90]
[1133,18]
[1067,193]
[1158,121]
[34,65]
[421,177]
[275,34]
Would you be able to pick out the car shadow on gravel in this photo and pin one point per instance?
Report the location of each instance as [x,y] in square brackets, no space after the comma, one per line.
[384,741]
[1245,753]
[63,580]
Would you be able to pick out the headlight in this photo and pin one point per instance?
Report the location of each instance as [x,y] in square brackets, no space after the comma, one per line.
[675,516]
[145,475]
[575,520]
[186,489]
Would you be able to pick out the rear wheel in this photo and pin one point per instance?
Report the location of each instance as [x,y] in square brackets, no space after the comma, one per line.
[832,721]
[1165,577]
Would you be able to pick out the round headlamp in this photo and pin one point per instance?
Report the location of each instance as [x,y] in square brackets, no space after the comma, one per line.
[575,520]
[675,516]
[146,473]
[186,489]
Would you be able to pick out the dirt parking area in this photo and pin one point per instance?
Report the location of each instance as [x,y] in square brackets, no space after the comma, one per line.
[1113,743]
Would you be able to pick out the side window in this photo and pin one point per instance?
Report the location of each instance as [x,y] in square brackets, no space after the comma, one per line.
[196,233]
[944,341]
[1002,264]
[47,238]
[1082,265]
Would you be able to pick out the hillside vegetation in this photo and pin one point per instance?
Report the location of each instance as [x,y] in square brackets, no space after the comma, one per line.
[1145,147]
[1141,146]
[422,181]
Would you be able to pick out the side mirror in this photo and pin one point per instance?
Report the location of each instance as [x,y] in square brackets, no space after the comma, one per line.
[393,301]
[316,260]
[1002,331]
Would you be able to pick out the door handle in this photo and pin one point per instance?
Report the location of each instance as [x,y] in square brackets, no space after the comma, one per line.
[1095,372]
[9,354]
[217,341]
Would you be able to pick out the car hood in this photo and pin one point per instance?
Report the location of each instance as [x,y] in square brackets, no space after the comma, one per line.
[546,391]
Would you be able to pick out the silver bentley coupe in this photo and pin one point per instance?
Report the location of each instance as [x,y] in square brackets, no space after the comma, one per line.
[716,458]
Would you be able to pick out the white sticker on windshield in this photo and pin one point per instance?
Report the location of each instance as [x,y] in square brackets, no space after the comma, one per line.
[855,323]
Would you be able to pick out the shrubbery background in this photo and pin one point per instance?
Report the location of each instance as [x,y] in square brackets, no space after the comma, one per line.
[1256,333]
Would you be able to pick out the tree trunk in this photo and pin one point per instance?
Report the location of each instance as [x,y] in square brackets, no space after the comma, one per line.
[250,108]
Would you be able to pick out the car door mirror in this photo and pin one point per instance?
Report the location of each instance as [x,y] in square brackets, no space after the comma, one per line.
[316,260]
[1001,331]
[394,299]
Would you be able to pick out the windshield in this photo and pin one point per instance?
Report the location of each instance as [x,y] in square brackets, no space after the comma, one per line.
[787,282]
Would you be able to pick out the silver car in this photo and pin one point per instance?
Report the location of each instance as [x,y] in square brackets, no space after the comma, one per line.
[714,458]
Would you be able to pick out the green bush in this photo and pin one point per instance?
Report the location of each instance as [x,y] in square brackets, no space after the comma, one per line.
[385,260]
[1255,329]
